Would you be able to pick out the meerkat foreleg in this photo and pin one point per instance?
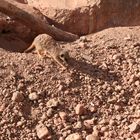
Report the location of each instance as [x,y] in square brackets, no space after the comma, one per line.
[60,63]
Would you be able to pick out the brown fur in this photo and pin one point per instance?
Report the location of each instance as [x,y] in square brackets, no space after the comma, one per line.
[45,45]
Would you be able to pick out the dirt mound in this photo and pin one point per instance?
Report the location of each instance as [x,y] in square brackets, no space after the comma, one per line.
[98,94]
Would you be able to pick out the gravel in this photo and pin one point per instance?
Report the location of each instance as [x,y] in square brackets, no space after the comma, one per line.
[97,97]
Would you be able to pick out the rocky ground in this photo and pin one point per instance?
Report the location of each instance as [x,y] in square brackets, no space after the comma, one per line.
[97,97]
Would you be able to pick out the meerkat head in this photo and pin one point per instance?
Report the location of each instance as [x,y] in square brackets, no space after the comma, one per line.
[64,56]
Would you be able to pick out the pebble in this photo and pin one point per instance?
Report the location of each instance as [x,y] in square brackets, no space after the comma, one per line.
[63,115]
[104,121]
[78,125]
[20,123]
[112,122]
[2,107]
[118,88]
[88,123]
[117,107]
[127,38]
[52,103]
[61,138]
[95,131]
[43,117]
[33,96]
[20,86]
[133,127]
[137,83]
[92,137]
[74,136]
[104,128]
[17,97]
[57,121]
[93,109]
[79,109]
[116,56]
[136,44]
[42,131]
[49,112]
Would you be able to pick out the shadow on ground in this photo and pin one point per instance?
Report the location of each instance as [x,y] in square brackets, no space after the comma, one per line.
[94,71]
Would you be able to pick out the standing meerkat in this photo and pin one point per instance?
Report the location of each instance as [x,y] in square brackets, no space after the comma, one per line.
[45,45]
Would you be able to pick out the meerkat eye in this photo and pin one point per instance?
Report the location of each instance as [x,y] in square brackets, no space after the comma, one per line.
[62,55]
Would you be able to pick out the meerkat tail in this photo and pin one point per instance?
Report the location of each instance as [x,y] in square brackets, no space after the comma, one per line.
[30,48]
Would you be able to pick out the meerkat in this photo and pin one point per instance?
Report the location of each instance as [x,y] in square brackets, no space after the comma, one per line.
[45,45]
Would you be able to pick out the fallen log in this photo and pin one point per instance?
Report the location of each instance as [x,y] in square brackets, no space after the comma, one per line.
[34,19]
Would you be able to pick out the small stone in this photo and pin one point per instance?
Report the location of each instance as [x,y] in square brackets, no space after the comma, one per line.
[104,128]
[52,103]
[42,131]
[20,86]
[57,121]
[116,56]
[79,109]
[17,97]
[61,138]
[106,134]
[49,112]
[60,87]
[74,136]
[119,118]
[112,122]
[128,38]
[118,108]
[87,57]
[137,83]
[93,109]
[2,107]
[20,123]
[104,121]
[118,88]
[63,115]
[43,117]
[82,45]
[88,123]
[133,127]
[65,134]
[78,125]
[33,96]
[136,44]
[137,136]
[67,126]
[92,137]
[95,131]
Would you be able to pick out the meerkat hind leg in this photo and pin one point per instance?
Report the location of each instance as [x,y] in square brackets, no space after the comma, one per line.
[47,54]
[40,53]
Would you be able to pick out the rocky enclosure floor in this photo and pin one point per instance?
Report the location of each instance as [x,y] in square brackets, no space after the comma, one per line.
[97,97]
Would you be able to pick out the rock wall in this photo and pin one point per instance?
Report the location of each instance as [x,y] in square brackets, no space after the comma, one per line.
[88,16]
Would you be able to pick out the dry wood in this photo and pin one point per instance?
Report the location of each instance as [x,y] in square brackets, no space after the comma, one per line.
[34,19]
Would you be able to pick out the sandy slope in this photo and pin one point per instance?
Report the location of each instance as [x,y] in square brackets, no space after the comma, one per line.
[103,75]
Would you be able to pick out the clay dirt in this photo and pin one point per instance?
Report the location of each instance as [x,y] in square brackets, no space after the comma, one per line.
[96,98]
[103,78]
